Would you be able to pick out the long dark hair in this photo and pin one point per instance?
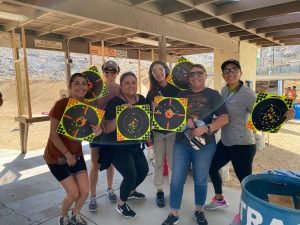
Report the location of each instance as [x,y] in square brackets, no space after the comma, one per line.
[154,85]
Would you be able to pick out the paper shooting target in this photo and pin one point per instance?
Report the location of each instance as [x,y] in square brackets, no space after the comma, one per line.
[77,120]
[170,114]
[179,74]
[268,112]
[133,123]
[96,85]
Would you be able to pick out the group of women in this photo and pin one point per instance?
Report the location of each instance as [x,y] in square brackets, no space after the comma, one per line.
[228,111]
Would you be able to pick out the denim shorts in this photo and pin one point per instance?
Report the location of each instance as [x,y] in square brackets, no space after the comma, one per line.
[62,171]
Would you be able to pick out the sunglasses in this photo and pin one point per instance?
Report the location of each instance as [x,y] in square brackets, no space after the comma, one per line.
[196,74]
[110,71]
[232,70]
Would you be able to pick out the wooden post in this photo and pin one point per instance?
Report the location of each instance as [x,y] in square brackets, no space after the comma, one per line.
[139,71]
[23,128]
[16,57]
[152,55]
[102,51]
[90,51]
[26,73]
[162,50]
[67,63]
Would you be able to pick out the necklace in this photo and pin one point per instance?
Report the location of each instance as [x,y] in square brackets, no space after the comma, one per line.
[127,100]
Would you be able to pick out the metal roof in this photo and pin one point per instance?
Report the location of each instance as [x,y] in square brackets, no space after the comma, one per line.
[190,26]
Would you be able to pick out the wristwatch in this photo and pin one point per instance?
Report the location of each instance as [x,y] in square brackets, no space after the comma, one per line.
[209,132]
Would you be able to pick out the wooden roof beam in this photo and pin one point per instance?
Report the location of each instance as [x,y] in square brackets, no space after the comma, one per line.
[260,41]
[269,45]
[290,40]
[195,15]
[249,37]
[228,28]
[199,2]
[213,23]
[135,19]
[168,7]
[241,6]
[287,37]
[139,2]
[265,12]
[211,9]
[238,33]
[283,33]
[278,27]
[193,3]
[292,43]
[274,21]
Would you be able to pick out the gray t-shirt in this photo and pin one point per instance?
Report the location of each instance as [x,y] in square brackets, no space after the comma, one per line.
[239,105]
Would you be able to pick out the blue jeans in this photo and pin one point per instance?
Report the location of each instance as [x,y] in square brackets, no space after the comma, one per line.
[183,156]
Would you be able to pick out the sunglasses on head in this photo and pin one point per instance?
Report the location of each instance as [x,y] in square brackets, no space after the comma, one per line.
[196,74]
[110,71]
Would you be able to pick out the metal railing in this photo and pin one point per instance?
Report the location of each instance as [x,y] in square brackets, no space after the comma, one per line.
[278,69]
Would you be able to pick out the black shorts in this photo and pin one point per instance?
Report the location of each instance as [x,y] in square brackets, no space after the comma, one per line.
[61,172]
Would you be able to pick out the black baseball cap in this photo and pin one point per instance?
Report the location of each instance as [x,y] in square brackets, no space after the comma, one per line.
[233,61]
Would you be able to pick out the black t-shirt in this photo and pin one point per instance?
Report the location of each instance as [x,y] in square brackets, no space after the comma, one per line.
[168,91]
[203,106]
[110,114]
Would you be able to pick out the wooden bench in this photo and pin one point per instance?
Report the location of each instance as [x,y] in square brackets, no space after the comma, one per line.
[24,122]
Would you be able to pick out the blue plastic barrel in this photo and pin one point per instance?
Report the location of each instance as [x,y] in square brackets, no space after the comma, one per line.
[254,206]
[297,110]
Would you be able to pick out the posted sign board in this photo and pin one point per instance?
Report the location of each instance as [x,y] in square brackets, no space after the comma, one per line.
[47,44]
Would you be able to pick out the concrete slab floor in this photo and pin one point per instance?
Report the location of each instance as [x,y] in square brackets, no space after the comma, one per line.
[30,195]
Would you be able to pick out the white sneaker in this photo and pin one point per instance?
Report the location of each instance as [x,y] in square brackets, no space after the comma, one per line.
[216,204]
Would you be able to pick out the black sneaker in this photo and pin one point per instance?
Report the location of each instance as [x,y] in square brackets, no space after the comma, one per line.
[64,221]
[160,199]
[136,195]
[78,220]
[200,218]
[93,204]
[125,210]
[171,219]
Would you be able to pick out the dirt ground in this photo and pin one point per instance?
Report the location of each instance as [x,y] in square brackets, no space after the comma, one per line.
[282,152]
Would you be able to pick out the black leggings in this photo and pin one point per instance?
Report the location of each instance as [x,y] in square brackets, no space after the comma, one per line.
[133,166]
[241,157]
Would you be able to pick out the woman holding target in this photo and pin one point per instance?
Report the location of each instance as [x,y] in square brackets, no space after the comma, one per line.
[64,156]
[163,140]
[237,142]
[203,104]
[127,156]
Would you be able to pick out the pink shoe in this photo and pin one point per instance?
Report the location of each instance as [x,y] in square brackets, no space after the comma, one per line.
[236,220]
[216,204]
